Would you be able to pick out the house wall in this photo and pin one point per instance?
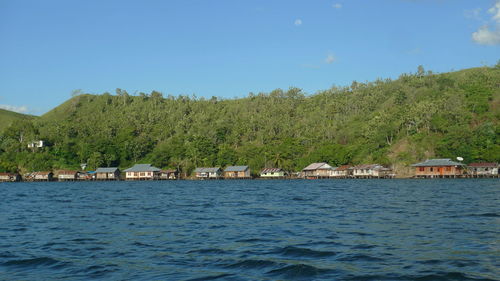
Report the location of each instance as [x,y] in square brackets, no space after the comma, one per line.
[43,177]
[105,176]
[242,174]
[273,175]
[141,175]
[484,170]
[202,175]
[67,177]
[438,171]
[214,175]
[364,172]
[343,173]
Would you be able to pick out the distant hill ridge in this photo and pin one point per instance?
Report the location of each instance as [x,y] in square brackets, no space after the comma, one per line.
[7,117]
[391,122]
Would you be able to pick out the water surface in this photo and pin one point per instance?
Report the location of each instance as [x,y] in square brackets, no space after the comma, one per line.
[251,230]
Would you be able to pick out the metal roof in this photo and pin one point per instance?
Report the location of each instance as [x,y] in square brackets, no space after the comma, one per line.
[367,167]
[343,168]
[142,168]
[106,170]
[207,170]
[437,162]
[317,166]
[67,172]
[271,170]
[236,169]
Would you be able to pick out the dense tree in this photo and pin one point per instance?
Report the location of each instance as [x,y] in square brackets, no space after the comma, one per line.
[414,117]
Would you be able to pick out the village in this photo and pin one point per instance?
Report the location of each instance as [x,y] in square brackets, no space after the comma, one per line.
[431,168]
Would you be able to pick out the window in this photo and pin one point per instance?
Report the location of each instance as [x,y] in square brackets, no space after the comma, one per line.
[448,169]
[421,169]
[432,169]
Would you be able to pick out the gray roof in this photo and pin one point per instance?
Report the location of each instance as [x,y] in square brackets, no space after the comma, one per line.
[142,168]
[437,162]
[206,170]
[236,169]
[106,170]
[317,166]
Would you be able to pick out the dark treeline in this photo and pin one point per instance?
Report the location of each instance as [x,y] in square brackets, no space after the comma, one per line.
[417,116]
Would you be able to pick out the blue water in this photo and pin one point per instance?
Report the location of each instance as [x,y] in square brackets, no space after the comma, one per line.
[251,230]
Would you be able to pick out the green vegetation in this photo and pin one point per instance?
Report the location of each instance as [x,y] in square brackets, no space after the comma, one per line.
[417,116]
[8,117]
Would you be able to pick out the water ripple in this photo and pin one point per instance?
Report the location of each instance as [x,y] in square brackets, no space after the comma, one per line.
[405,230]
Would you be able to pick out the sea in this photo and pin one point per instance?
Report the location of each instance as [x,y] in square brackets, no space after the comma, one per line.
[426,230]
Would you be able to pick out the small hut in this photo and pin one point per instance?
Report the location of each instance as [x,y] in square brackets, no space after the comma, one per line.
[371,171]
[142,172]
[10,177]
[169,174]
[42,176]
[111,173]
[342,172]
[317,170]
[275,173]
[483,169]
[237,172]
[208,173]
[440,168]
[67,175]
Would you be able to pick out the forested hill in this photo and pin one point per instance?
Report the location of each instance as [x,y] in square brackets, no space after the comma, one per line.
[8,117]
[398,122]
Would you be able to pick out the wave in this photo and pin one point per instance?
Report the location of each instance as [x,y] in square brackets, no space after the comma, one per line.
[298,271]
[490,215]
[292,251]
[207,251]
[249,264]
[446,276]
[359,257]
[212,277]
[35,262]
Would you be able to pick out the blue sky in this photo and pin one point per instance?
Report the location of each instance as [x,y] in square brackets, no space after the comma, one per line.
[228,48]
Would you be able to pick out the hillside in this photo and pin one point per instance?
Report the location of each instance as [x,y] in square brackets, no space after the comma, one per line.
[7,117]
[391,122]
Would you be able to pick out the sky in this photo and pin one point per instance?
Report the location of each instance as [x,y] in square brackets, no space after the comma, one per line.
[229,48]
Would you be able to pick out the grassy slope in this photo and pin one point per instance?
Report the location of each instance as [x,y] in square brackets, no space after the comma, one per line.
[8,117]
[330,116]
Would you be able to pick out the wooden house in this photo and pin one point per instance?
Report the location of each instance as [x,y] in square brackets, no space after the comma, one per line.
[443,168]
[112,173]
[317,170]
[483,169]
[237,172]
[10,177]
[272,173]
[169,174]
[142,172]
[342,172]
[67,175]
[41,176]
[208,173]
[371,171]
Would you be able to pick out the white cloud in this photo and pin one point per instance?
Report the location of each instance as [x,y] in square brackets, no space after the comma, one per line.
[330,58]
[298,22]
[337,5]
[495,10]
[473,14]
[486,35]
[20,109]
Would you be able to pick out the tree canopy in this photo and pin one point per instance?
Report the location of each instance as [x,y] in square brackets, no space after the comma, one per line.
[400,121]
